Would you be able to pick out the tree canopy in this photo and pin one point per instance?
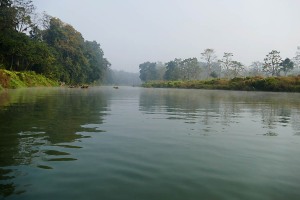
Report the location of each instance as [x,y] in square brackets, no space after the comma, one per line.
[272,63]
[52,48]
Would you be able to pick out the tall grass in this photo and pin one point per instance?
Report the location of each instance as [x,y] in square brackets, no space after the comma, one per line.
[258,83]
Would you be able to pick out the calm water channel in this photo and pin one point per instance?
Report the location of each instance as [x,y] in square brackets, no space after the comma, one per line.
[158,144]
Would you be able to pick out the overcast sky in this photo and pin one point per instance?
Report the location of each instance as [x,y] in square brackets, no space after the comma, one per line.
[135,31]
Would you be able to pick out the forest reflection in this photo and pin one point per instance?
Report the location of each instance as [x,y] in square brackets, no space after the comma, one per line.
[40,126]
[211,107]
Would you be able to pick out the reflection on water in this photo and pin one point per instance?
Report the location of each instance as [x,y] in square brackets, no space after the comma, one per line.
[37,126]
[137,143]
[226,108]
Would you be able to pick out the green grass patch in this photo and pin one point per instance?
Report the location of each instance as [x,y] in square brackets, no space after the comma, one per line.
[12,79]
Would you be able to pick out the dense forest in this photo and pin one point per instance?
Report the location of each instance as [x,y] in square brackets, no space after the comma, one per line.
[210,67]
[46,45]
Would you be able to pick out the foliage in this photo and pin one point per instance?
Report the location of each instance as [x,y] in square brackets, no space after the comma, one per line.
[7,15]
[4,79]
[210,57]
[272,63]
[24,11]
[148,71]
[160,70]
[237,68]
[189,69]
[214,74]
[296,59]
[258,83]
[47,46]
[69,45]
[172,72]
[256,68]
[97,64]
[286,66]
[13,79]
[226,63]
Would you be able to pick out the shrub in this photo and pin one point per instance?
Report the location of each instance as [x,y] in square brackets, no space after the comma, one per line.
[4,79]
[284,84]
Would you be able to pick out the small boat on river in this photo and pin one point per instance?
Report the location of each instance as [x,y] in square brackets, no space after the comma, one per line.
[84,86]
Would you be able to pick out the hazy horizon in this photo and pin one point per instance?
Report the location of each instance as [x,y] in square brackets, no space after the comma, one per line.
[132,32]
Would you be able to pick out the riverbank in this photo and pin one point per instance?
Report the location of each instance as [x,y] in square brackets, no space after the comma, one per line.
[13,79]
[273,84]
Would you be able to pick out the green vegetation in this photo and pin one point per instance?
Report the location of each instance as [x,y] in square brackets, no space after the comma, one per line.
[257,83]
[10,79]
[46,46]
[224,73]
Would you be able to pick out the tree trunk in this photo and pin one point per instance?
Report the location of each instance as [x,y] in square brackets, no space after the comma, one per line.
[12,62]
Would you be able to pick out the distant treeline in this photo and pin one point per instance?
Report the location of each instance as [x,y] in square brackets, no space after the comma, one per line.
[46,45]
[226,68]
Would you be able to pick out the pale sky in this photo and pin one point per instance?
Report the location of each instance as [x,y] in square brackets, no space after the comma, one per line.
[131,32]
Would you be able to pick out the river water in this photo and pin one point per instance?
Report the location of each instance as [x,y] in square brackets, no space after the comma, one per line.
[137,143]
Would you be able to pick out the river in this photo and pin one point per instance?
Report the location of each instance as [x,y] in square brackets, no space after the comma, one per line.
[138,143]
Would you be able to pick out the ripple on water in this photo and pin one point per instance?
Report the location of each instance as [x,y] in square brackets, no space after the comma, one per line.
[55,153]
[31,133]
[93,127]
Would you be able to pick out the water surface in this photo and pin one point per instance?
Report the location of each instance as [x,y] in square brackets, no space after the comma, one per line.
[137,143]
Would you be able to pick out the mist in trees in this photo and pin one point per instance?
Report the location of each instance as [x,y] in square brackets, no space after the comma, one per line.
[47,45]
[209,66]
[286,66]
[296,59]
[114,77]
[272,63]
[30,41]
[209,56]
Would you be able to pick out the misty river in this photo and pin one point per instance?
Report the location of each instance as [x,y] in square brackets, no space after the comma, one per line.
[138,143]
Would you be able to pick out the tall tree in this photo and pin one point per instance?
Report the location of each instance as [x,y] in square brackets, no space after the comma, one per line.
[272,63]
[210,57]
[237,68]
[148,71]
[69,45]
[296,59]
[19,52]
[189,69]
[286,66]
[172,72]
[41,22]
[226,63]
[7,15]
[161,70]
[256,68]
[24,12]
[97,63]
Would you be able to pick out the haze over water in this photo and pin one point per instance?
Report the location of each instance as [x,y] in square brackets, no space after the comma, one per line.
[137,143]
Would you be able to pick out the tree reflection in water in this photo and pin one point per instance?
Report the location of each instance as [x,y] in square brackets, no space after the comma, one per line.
[38,127]
[224,107]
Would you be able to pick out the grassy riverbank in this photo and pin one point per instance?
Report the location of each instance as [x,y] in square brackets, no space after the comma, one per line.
[12,79]
[274,84]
